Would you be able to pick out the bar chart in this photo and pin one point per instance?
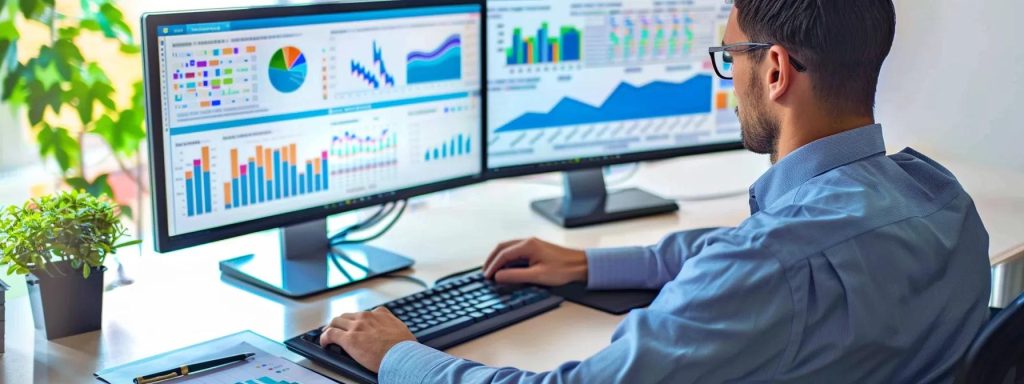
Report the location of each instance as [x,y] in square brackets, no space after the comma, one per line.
[197,185]
[543,47]
[457,146]
[273,174]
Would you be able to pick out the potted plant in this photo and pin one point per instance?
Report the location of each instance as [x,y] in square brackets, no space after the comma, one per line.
[59,242]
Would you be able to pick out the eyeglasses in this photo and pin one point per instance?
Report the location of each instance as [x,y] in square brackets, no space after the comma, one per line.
[721,57]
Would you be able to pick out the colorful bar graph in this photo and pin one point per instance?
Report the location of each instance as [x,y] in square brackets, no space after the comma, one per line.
[190,192]
[273,174]
[543,48]
[198,195]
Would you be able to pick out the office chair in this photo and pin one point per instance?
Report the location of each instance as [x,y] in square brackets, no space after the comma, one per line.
[997,354]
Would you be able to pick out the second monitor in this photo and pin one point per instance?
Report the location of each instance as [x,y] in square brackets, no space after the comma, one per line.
[576,85]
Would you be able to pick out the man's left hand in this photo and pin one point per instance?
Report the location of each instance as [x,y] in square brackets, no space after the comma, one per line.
[366,336]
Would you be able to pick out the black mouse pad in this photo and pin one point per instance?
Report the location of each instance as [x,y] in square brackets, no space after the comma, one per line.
[614,302]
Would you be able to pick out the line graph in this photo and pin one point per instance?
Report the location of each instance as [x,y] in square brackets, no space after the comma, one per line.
[376,75]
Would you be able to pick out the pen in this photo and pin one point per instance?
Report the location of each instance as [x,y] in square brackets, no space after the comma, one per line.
[184,370]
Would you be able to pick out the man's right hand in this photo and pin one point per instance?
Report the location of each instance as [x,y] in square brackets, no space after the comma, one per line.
[548,264]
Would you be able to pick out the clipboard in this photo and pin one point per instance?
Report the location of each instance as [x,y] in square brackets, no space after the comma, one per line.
[272,363]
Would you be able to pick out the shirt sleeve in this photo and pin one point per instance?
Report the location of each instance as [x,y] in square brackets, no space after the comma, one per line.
[644,267]
[726,317]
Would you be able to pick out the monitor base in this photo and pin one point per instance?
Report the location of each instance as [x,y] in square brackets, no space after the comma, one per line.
[300,278]
[587,202]
[621,205]
[309,265]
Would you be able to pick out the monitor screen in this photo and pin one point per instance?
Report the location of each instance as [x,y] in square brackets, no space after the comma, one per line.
[577,81]
[266,116]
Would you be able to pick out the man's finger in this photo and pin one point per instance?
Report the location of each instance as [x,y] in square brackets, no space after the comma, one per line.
[497,250]
[515,252]
[517,275]
[341,323]
[330,336]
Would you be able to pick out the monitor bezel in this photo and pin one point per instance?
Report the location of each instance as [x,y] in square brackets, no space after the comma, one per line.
[163,241]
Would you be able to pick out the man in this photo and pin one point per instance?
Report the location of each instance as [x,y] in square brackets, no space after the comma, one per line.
[854,266]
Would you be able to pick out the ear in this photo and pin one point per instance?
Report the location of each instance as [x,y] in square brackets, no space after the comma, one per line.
[780,72]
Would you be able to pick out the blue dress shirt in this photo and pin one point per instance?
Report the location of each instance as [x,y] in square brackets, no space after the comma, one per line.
[854,267]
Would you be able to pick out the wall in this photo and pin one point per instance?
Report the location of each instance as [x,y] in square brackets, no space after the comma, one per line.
[953,86]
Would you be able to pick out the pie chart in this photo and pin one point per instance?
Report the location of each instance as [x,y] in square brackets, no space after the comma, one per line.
[287,69]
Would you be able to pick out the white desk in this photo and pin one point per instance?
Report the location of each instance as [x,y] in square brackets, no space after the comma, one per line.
[451,231]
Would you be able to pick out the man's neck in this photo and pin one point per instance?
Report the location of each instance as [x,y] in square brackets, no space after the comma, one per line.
[797,133]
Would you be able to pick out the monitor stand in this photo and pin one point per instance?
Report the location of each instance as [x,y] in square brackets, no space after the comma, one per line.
[309,265]
[587,202]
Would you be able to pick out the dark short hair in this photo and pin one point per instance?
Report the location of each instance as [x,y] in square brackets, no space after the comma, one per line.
[842,42]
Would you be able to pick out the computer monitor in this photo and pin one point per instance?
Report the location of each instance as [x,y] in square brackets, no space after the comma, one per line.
[277,117]
[573,86]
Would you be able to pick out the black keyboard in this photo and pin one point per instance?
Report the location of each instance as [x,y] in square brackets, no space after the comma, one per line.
[454,311]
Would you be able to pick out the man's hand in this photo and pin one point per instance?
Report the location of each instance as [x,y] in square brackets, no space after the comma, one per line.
[549,264]
[366,336]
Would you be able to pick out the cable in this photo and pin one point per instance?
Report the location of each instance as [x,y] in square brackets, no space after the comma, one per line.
[385,209]
[344,241]
[408,278]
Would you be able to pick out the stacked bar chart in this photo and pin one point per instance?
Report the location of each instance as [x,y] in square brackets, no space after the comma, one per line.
[197,185]
[457,146]
[544,48]
[273,174]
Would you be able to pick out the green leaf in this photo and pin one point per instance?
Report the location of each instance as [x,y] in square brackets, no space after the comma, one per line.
[126,211]
[55,142]
[131,49]
[68,57]
[30,8]
[100,186]
[5,45]
[12,82]
[69,33]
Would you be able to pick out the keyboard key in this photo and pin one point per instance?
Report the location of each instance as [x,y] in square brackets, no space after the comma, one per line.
[443,328]
[488,304]
[471,287]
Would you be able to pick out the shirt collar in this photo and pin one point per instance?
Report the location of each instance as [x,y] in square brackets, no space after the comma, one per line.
[814,159]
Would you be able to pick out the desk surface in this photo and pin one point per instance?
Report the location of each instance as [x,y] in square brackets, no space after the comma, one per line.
[444,233]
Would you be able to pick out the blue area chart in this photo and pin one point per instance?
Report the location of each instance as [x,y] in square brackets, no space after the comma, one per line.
[375,75]
[442,64]
[627,102]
